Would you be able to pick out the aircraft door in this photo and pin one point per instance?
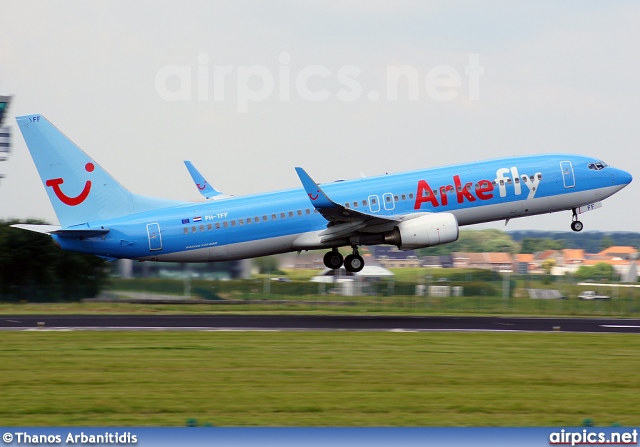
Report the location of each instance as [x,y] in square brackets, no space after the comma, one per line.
[374,204]
[568,178]
[155,238]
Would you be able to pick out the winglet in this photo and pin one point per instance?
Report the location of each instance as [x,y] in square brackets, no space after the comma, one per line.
[317,196]
[335,212]
[203,186]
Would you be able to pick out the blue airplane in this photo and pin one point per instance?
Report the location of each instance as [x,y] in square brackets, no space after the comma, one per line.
[411,210]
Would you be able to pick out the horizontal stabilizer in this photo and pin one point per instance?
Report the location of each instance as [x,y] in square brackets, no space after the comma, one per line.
[86,232]
[44,229]
[63,232]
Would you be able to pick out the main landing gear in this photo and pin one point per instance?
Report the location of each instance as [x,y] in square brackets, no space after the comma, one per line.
[576,225]
[352,263]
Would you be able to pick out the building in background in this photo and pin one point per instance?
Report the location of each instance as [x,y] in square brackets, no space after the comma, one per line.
[5,131]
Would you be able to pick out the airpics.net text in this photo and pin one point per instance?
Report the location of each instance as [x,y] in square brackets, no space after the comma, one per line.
[314,83]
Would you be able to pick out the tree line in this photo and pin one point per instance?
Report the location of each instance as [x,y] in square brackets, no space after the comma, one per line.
[33,269]
[485,241]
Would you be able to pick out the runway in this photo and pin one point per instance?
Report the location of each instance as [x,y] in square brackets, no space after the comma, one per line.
[314,323]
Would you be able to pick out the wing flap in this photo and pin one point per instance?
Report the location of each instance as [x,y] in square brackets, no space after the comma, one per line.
[340,230]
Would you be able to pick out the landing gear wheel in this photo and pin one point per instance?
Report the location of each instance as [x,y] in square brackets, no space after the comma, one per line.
[333,259]
[353,263]
[576,225]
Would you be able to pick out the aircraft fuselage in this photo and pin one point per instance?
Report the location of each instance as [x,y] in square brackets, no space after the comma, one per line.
[281,221]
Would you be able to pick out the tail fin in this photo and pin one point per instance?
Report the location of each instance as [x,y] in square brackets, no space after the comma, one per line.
[78,188]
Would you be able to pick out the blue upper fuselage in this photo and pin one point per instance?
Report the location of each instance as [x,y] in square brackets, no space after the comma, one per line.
[474,192]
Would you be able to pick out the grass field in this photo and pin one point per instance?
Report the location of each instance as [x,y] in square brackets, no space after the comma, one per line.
[622,307]
[318,378]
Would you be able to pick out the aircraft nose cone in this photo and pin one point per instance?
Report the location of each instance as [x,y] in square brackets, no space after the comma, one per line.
[623,177]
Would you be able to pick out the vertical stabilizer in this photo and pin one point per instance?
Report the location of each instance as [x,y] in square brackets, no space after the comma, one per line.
[79,189]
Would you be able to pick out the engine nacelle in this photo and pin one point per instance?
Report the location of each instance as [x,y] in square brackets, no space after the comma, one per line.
[424,231]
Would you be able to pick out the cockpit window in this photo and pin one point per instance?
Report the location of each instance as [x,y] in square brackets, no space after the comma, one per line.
[598,166]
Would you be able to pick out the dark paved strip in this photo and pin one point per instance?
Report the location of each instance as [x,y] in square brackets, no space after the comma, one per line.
[309,322]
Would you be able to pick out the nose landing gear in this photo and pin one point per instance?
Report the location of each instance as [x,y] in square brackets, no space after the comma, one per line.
[576,225]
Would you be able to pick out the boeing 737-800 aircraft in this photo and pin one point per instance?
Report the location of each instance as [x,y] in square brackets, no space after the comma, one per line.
[410,210]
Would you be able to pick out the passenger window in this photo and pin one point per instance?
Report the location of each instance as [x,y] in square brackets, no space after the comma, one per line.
[299,212]
[273,217]
[374,201]
[233,223]
[193,229]
[225,224]
[355,204]
[411,195]
[265,218]
[346,205]
[209,227]
[404,197]
[186,230]
[217,225]
[395,198]
[241,221]
[282,216]
[290,213]
[308,211]
[539,176]
[364,203]
[201,227]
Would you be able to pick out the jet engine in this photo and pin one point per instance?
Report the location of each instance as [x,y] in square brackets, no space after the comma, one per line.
[424,231]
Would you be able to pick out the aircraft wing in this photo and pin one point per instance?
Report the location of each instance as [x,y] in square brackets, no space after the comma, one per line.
[204,188]
[347,219]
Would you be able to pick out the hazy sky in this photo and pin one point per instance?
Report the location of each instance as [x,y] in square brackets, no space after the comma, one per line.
[306,83]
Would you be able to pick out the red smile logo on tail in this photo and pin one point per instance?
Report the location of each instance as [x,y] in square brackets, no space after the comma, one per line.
[71,201]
